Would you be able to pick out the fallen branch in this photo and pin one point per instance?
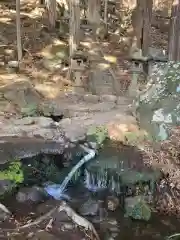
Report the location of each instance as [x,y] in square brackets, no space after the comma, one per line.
[31,224]
[38,220]
[78,219]
[173,236]
[4,208]
[63,207]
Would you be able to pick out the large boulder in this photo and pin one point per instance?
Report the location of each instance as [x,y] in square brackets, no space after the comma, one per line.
[158,106]
[23,147]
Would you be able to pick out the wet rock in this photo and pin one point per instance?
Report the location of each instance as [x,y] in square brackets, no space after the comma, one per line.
[30,235]
[112,222]
[90,208]
[112,203]
[93,145]
[102,213]
[114,229]
[67,226]
[44,235]
[34,194]
[23,147]
[114,235]
[101,217]
[6,186]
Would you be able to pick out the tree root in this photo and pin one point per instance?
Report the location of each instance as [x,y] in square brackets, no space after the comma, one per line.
[4,208]
[31,224]
[76,218]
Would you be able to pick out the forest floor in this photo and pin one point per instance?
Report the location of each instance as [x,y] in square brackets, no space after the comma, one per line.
[35,39]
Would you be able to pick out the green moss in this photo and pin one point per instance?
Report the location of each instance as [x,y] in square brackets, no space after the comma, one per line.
[30,110]
[97,134]
[137,209]
[13,173]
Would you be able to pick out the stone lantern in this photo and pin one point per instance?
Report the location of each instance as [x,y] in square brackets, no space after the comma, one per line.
[79,64]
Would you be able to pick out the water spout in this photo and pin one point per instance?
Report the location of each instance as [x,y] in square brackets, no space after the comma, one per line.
[57,190]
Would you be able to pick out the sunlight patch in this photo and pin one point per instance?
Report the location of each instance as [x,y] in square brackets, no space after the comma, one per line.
[103,66]
[111,59]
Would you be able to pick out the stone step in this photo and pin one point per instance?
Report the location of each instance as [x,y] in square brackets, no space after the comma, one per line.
[100,90]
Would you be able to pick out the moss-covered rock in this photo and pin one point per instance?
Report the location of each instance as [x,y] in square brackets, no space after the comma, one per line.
[30,110]
[97,134]
[137,208]
[158,106]
[13,173]
[10,178]
[113,169]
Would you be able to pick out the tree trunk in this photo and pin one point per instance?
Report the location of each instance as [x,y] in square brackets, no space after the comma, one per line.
[174,33]
[137,24]
[147,20]
[51,11]
[93,13]
[141,22]
[18,30]
[105,11]
[74,26]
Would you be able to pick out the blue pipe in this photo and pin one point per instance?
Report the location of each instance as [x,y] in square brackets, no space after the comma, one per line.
[57,190]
